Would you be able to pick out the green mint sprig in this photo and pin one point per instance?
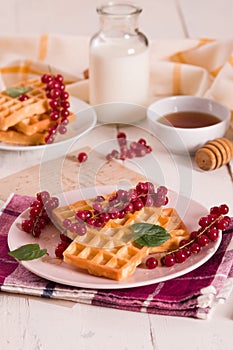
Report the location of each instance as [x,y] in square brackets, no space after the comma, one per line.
[28,252]
[149,235]
[16,91]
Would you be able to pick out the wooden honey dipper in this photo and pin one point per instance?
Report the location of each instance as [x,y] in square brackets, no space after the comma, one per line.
[215,153]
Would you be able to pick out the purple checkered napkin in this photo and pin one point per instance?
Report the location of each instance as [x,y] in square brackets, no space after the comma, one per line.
[191,295]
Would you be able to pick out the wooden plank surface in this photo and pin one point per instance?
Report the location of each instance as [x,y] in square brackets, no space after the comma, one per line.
[65,173]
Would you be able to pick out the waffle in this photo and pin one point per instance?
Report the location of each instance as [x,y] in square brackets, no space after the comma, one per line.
[111,251]
[30,131]
[37,123]
[12,111]
[18,138]
[117,263]
[34,124]
[68,212]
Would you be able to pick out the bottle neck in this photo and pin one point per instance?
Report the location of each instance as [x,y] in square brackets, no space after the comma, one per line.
[119,25]
[119,19]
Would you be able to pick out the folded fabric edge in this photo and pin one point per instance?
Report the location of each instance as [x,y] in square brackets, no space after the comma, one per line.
[90,300]
[5,204]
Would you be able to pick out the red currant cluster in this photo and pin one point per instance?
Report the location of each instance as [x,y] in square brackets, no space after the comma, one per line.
[62,245]
[59,105]
[209,231]
[39,213]
[117,206]
[135,149]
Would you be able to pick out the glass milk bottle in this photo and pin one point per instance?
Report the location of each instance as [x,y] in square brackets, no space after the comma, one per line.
[119,65]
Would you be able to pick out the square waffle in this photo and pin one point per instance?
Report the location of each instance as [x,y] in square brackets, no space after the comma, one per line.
[33,124]
[111,251]
[12,110]
[18,138]
[30,131]
[116,263]
[37,123]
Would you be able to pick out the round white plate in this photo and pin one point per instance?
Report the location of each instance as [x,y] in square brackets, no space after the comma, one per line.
[85,120]
[70,275]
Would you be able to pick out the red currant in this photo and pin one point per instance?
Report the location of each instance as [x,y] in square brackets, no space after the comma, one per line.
[81,230]
[121,135]
[54,115]
[138,204]
[97,206]
[82,157]
[204,221]
[65,238]
[223,209]
[183,242]
[203,240]
[212,233]
[43,196]
[65,113]
[46,78]
[142,142]
[195,248]
[23,97]
[90,221]
[27,225]
[81,215]
[151,263]
[55,93]
[64,95]
[49,139]
[222,224]
[104,217]
[66,223]
[180,256]
[34,211]
[65,104]
[59,78]
[62,129]
[194,234]
[60,249]
[113,213]
[169,260]
[54,104]
[36,204]
[214,210]
[51,203]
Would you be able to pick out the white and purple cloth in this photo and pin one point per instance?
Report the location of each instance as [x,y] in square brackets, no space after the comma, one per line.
[191,295]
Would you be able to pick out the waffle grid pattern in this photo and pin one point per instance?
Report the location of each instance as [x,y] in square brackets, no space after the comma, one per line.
[13,111]
[111,251]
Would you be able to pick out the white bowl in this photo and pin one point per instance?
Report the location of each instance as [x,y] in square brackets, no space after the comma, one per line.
[187,140]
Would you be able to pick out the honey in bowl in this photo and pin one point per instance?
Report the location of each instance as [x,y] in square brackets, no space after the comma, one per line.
[189,119]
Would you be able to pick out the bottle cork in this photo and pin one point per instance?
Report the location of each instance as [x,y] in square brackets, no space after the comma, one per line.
[215,153]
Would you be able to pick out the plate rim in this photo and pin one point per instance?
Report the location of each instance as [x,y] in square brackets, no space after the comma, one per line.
[111,284]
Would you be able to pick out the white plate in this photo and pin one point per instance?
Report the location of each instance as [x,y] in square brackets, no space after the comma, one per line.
[69,275]
[85,121]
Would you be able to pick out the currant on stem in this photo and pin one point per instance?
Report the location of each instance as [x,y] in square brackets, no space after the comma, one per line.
[116,206]
[134,149]
[58,103]
[39,212]
[209,231]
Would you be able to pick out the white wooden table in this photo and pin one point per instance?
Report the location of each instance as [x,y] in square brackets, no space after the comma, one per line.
[28,323]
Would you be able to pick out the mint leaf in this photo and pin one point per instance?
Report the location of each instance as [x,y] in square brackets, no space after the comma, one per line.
[149,235]
[17,91]
[28,252]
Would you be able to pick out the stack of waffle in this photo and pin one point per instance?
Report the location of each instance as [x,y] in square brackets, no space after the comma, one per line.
[111,251]
[25,122]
